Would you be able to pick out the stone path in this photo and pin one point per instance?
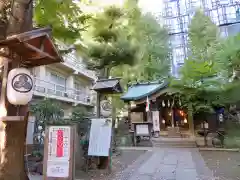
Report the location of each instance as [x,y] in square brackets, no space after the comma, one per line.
[165,164]
[35,177]
[168,164]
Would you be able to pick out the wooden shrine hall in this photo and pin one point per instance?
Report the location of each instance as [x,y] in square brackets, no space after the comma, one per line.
[165,115]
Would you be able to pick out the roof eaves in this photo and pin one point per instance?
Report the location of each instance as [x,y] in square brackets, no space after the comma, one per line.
[160,87]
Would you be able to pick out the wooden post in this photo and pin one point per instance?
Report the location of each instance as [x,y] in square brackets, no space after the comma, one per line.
[172,118]
[190,118]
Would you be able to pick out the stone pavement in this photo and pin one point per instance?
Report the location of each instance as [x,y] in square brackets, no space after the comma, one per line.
[35,177]
[168,164]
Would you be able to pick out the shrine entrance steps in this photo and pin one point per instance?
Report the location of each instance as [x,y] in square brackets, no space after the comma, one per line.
[174,142]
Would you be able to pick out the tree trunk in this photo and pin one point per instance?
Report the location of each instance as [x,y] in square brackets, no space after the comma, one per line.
[12,157]
[190,119]
[13,134]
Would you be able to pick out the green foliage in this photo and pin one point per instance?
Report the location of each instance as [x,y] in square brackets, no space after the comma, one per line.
[228,56]
[203,33]
[210,75]
[199,77]
[78,114]
[155,61]
[65,18]
[47,112]
[79,117]
[109,40]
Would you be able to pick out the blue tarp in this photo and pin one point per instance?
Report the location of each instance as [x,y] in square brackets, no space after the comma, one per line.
[142,90]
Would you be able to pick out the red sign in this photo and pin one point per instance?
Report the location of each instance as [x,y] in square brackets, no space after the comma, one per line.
[59,143]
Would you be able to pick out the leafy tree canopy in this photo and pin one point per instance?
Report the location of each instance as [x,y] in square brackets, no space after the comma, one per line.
[109,40]
[199,75]
[64,16]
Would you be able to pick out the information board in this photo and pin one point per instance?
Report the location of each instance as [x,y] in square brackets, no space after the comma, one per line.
[142,129]
[100,137]
[155,119]
[59,143]
[58,151]
[58,169]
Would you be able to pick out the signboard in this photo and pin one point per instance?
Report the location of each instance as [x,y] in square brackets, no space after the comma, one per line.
[100,137]
[59,143]
[155,119]
[58,169]
[142,129]
[58,153]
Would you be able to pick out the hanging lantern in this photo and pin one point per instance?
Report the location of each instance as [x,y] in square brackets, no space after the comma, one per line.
[19,86]
[168,103]
[185,120]
[163,104]
[106,108]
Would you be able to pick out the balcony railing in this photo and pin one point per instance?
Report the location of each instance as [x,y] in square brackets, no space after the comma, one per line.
[45,88]
[71,61]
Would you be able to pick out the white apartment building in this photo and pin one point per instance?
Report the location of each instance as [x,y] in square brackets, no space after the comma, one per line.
[69,83]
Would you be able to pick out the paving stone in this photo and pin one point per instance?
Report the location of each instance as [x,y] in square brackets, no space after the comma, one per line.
[133,168]
[150,166]
[35,177]
[165,171]
[170,158]
[141,177]
[204,173]
[186,174]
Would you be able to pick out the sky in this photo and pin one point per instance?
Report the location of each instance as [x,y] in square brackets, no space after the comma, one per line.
[153,6]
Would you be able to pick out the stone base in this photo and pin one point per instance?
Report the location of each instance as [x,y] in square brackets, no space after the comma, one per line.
[156,134]
[174,132]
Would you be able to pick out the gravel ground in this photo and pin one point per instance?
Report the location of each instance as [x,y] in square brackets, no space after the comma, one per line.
[119,163]
[225,165]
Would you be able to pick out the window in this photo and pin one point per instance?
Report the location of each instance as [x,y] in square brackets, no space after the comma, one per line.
[59,81]
[169,12]
[80,91]
[77,87]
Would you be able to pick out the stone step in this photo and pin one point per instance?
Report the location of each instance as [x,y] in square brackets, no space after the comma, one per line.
[173,143]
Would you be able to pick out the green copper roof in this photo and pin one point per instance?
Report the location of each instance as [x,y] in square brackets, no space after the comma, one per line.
[141,90]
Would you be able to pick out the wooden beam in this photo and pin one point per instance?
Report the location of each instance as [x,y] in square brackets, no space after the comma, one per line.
[27,38]
[36,58]
[39,51]
[12,118]
[3,88]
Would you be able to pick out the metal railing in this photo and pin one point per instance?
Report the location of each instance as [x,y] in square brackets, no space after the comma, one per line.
[47,88]
[72,61]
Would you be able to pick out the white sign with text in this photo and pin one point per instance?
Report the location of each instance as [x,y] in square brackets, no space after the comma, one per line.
[155,119]
[58,169]
[142,129]
[100,137]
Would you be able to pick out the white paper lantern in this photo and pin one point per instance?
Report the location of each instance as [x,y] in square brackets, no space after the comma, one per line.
[19,86]
[169,103]
[106,109]
[163,104]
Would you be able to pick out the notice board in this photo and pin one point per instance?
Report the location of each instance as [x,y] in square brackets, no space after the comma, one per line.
[100,137]
[59,153]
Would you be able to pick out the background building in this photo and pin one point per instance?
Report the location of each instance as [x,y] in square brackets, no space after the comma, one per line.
[69,83]
[177,15]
